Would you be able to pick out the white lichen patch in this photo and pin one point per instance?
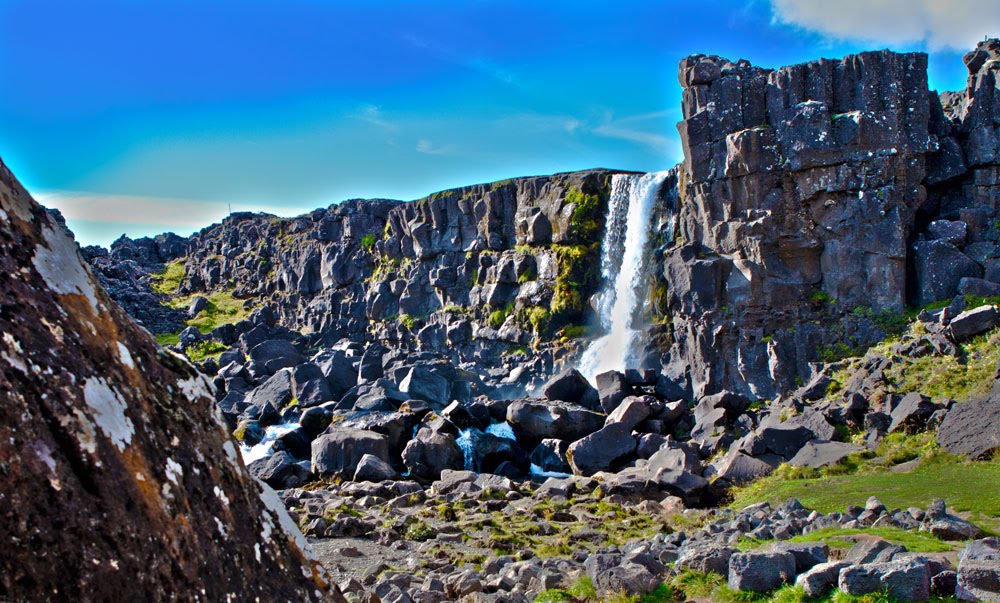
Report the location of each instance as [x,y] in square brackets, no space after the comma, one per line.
[109,411]
[125,355]
[270,499]
[61,268]
[231,456]
[195,387]
[174,471]
[221,495]
[221,526]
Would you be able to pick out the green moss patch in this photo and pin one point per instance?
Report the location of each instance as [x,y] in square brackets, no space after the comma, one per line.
[222,309]
[168,281]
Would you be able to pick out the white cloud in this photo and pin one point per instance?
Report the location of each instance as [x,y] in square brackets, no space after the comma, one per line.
[940,24]
[429,148]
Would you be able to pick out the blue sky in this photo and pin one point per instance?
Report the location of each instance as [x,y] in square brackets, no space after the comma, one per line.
[142,116]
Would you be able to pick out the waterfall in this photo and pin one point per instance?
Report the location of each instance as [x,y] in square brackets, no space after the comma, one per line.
[622,268]
[467,446]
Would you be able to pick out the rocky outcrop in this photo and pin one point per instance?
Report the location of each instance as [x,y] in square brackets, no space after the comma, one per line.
[814,200]
[120,481]
[478,273]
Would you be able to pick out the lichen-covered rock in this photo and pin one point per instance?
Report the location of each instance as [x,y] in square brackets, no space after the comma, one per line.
[120,481]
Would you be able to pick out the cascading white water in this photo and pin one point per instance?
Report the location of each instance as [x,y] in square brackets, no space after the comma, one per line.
[265,447]
[622,268]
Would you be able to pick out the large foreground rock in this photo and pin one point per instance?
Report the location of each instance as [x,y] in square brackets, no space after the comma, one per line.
[119,481]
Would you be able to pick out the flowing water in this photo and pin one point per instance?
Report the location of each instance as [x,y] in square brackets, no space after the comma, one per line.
[623,270]
[265,447]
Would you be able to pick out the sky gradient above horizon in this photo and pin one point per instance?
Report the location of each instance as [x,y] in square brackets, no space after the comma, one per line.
[138,117]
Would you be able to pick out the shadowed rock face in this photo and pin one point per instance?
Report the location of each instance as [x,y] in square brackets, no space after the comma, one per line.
[118,481]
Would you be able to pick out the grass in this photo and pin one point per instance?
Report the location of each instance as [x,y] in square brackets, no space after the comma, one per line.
[169,280]
[941,377]
[203,350]
[692,585]
[842,538]
[166,339]
[919,542]
[941,476]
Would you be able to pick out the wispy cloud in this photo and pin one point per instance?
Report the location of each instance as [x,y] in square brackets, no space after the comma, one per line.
[632,128]
[429,148]
[940,24]
[452,55]
[373,114]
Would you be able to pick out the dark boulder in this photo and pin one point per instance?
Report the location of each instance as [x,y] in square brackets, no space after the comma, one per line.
[314,421]
[633,411]
[338,451]
[571,386]
[275,354]
[973,322]
[903,580]
[431,452]
[275,394]
[604,450]
[339,370]
[972,428]
[294,441]
[311,386]
[911,413]
[550,455]
[374,469]
[280,470]
[820,453]
[426,384]
[979,571]
[536,420]
[760,571]
[612,389]
[938,268]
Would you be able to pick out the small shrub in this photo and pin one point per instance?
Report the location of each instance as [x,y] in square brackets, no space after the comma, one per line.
[368,242]
[420,531]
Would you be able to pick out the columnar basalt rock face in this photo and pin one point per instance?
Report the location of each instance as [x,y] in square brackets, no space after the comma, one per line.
[119,481]
[807,192]
[477,272]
